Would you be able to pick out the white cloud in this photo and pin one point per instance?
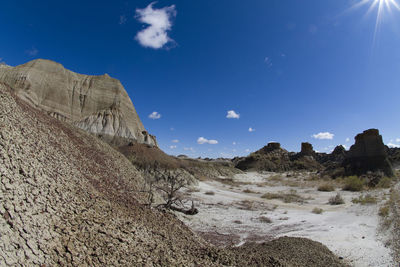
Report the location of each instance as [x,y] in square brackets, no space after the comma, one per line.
[247,150]
[234,143]
[122,19]
[397,140]
[189,149]
[268,61]
[232,115]
[252,130]
[322,136]
[391,145]
[172,129]
[347,139]
[32,52]
[159,21]
[155,115]
[172,147]
[202,140]
[175,141]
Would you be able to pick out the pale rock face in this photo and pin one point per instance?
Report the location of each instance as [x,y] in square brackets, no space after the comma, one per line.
[97,104]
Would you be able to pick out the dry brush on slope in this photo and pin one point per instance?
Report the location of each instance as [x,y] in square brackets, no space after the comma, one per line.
[67,198]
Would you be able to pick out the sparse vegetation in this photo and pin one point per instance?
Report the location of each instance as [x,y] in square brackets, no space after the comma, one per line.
[210,193]
[276,178]
[353,183]
[317,211]
[384,210]
[326,188]
[248,191]
[385,182]
[264,219]
[290,197]
[365,200]
[336,200]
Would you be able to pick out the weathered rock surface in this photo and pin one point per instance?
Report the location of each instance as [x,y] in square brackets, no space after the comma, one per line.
[368,154]
[96,104]
[69,199]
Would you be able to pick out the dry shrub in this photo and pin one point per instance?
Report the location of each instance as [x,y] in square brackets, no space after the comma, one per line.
[385,182]
[353,183]
[317,211]
[336,200]
[237,222]
[248,191]
[326,188]
[210,193]
[365,200]
[290,197]
[264,219]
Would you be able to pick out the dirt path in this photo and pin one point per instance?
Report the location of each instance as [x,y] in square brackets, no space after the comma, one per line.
[233,213]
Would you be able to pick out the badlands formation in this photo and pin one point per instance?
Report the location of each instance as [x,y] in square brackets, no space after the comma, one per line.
[77,168]
[96,104]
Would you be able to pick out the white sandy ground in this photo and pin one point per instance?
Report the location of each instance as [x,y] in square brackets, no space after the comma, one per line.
[351,230]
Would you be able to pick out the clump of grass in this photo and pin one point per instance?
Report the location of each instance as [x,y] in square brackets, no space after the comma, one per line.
[326,188]
[336,200]
[193,190]
[365,200]
[248,191]
[210,193]
[317,211]
[385,182]
[290,197]
[276,178]
[264,219]
[237,222]
[384,211]
[353,183]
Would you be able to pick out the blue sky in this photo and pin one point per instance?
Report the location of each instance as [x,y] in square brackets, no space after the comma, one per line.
[291,69]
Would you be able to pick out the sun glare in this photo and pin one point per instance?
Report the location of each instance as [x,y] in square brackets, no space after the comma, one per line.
[381,7]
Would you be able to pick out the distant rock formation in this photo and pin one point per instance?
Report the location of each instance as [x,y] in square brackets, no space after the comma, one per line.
[96,104]
[368,154]
[274,158]
[307,149]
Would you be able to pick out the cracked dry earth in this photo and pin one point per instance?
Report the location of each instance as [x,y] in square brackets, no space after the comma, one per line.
[67,198]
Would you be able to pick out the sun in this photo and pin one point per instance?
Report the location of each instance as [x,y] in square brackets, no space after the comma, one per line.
[380,6]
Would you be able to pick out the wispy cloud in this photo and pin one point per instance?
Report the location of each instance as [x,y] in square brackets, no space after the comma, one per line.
[172,147]
[323,136]
[202,140]
[175,141]
[122,19]
[32,52]
[268,61]
[234,143]
[397,140]
[189,149]
[155,115]
[347,139]
[159,20]
[231,114]
[247,150]
[252,130]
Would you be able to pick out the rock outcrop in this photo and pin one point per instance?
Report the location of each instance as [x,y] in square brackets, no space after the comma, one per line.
[96,104]
[274,158]
[368,154]
[307,149]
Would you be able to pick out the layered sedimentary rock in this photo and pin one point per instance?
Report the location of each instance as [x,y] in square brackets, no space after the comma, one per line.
[368,154]
[97,104]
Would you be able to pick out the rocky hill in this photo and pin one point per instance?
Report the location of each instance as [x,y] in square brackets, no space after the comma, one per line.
[96,104]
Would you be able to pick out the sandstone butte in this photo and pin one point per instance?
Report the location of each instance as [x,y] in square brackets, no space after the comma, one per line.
[97,104]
